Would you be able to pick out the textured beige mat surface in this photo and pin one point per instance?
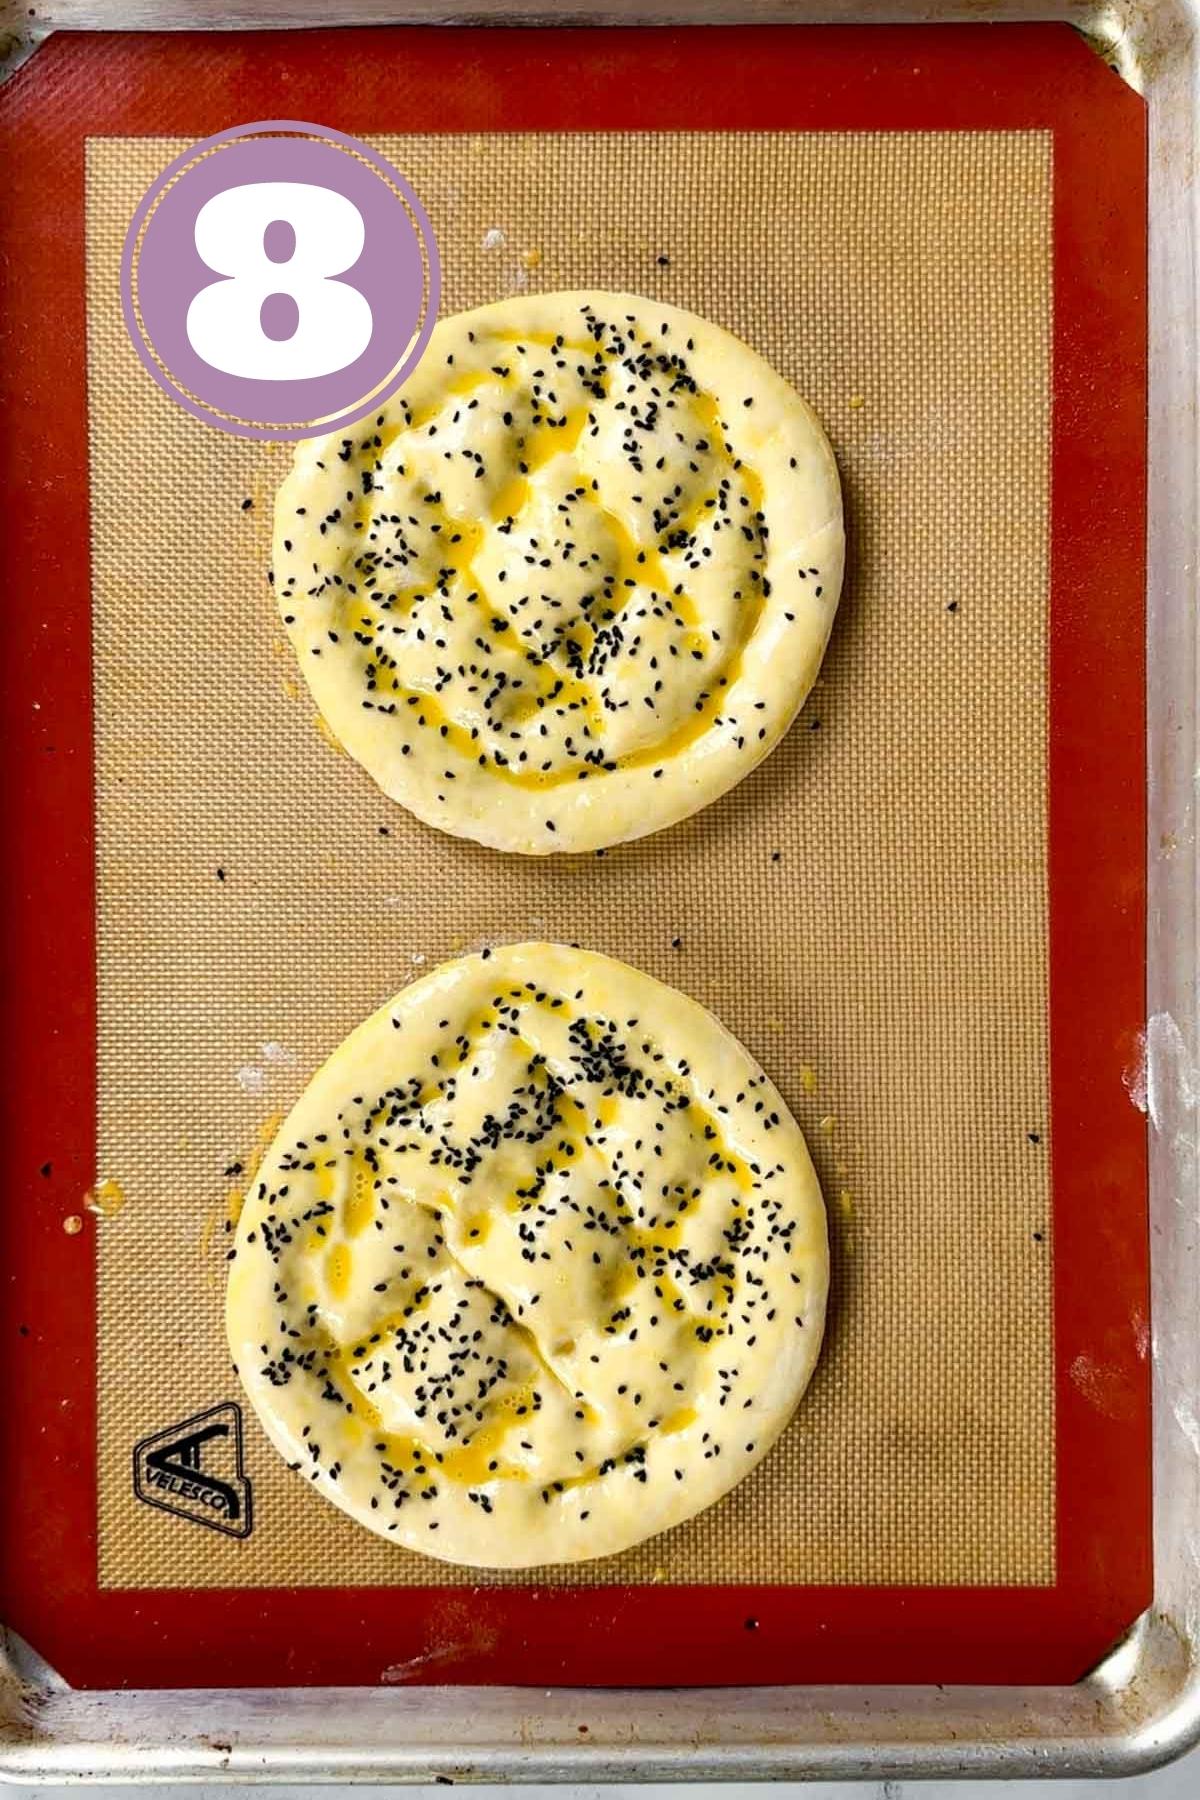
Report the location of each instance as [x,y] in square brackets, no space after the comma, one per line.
[868,906]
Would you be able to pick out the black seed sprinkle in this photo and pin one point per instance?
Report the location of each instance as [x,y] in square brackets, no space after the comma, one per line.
[409,573]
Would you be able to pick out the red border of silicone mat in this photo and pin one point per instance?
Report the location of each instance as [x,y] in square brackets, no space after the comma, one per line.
[813,78]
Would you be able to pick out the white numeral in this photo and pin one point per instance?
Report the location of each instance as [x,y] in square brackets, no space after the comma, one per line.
[332,320]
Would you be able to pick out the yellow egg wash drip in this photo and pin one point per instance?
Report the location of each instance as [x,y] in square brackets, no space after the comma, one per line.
[510,499]
[327,732]
[338,1265]
[360,1200]
[228,1211]
[553,440]
[549,340]
[458,387]
[106,1199]
[482,1456]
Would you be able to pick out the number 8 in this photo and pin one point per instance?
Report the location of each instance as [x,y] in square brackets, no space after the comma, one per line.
[224,321]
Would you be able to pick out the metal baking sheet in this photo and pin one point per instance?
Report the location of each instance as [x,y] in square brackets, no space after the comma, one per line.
[1140,1704]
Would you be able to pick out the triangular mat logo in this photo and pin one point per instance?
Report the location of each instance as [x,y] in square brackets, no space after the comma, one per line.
[195,1469]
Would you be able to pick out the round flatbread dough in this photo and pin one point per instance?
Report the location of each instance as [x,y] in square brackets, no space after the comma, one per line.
[537,1266]
[575,581]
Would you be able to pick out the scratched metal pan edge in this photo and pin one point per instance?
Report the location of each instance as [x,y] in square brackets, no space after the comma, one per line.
[1141,1706]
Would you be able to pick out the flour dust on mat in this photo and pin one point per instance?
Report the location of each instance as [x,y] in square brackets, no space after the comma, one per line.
[537,1266]
[575,581]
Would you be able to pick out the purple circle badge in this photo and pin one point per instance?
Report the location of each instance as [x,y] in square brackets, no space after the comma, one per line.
[280,279]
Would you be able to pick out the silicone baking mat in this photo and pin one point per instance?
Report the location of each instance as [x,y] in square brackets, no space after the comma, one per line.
[889,913]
